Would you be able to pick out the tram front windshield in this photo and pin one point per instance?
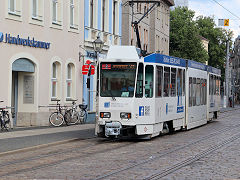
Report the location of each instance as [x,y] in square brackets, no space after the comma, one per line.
[117,79]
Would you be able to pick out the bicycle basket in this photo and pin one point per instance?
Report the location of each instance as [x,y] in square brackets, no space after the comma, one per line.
[83,106]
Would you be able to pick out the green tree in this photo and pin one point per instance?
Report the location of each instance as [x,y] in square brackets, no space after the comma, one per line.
[184,36]
[217,41]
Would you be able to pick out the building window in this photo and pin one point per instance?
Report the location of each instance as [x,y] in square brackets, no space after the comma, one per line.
[69,81]
[34,8]
[54,80]
[12,6]
[71,13]
[54,6]
[114,16]
[91,13]
[103,14]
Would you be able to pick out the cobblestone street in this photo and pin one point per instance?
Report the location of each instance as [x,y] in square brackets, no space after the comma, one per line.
[207,152]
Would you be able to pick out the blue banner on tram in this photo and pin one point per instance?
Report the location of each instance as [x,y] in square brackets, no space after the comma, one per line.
[163,59]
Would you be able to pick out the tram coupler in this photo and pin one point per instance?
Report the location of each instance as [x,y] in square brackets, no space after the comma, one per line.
[113,129]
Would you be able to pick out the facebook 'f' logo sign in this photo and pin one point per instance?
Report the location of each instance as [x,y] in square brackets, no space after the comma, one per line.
[1,36]
[141,110]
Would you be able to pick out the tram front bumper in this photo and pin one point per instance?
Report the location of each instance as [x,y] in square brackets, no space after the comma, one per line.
[112,129]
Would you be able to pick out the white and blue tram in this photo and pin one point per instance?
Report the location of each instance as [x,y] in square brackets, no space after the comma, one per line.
[156,94]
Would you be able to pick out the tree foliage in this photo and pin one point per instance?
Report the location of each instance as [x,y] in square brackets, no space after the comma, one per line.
[185,42]
[184,36]
[217,41]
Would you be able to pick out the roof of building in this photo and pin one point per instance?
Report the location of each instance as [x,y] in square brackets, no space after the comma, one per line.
[169,2]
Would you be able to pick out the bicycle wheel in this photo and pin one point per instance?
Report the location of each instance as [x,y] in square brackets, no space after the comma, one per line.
[83,115]
[6,120]
[56,119]
[71,117]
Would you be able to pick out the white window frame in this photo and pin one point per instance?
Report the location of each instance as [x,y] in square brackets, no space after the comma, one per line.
[56,15]
[72,13]
[36,15]
[69,81]
[54,81]
[9,6]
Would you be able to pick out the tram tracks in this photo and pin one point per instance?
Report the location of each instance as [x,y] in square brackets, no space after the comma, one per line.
[88,150]
[190,160]
[43,160]
[159,155]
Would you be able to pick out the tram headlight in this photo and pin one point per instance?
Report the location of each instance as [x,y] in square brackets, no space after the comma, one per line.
[124,115]
[105,114]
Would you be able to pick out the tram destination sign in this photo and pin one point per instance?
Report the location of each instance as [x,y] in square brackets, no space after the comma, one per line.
[17,40]
[117,66]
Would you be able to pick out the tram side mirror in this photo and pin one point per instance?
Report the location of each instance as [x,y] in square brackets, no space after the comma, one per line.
[88,83]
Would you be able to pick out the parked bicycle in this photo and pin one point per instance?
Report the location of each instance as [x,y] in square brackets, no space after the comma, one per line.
[72,116]
[57,117]
[4,118]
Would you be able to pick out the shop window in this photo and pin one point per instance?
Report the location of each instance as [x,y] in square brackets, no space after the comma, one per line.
[173,82]
[166,85]
[159,77]
[149,81]
[54,80]
[69,80]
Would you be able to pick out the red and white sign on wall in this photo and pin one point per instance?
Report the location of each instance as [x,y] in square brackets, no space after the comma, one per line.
[86,67]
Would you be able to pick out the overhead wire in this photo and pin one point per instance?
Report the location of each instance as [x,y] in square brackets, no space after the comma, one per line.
[226,9]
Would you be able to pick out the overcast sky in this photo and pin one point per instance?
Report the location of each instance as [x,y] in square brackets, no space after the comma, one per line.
[211,8]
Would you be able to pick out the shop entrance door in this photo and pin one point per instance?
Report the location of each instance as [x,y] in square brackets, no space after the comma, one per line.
[19,68]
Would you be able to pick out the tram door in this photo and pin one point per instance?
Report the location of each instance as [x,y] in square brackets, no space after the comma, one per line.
[144,94]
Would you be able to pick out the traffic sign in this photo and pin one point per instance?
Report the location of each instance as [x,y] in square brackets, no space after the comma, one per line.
[226,22]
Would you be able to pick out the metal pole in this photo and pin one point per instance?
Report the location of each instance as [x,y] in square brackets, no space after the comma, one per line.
[227,75]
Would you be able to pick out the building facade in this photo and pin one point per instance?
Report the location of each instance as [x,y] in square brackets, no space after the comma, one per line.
[235,58]
[39,47]
[153,29]
[102,18]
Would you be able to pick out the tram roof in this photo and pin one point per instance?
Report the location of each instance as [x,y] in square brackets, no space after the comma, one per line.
[122,53]
[175,61]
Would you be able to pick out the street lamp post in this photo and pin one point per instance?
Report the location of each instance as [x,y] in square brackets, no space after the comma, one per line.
[97,46]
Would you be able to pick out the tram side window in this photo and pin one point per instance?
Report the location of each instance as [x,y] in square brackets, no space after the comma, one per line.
[214,85]
[201,92]
[190,92]
[205,91]
[210,85]
[159,77]
[218,86]
[166,81]
[179,82]
[173,82]
[149,81]
[194,92]
[139,84]
[198,92]
[183,92]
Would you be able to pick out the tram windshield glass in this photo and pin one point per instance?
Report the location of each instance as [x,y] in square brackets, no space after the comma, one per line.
[117,79]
